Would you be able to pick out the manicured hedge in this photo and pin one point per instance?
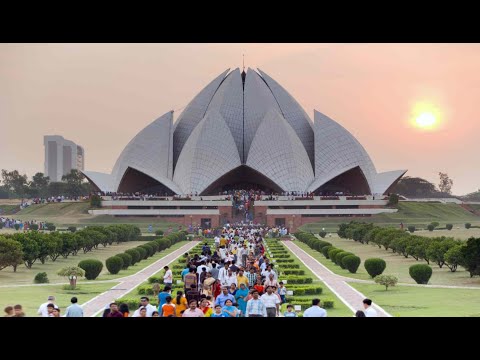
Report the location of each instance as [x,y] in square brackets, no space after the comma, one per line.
[351,263]
[135,254]
[114,264]
[375,266]
[127,260]
[421,273]
[92,267]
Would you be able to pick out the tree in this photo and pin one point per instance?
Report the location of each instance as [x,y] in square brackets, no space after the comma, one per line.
[453,257]
[445,184]
[72,272]
[10,253]
[386,280]
[39,185]
[392,200]
[15,182]
[415,187]
[471,256]
[74,182]
[30,248]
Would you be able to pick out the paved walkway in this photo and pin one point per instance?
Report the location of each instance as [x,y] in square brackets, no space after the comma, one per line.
[351,297]
[96,305]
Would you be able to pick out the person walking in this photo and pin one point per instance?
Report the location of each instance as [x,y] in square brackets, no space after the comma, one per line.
[315,310]
[74,310]
[369,310]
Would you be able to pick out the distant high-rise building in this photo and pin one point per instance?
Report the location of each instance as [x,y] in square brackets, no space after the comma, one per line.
[61,156]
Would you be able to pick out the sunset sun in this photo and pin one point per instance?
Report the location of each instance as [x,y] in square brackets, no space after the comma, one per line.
[425,117]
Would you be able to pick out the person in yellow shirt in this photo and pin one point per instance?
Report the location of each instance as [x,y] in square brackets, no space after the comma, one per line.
[180,303]
[207,311]
[242,279]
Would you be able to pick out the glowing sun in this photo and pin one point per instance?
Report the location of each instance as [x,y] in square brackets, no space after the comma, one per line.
[426,116]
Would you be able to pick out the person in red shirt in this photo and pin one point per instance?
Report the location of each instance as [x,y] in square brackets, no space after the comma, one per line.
[259,287]
[114,312]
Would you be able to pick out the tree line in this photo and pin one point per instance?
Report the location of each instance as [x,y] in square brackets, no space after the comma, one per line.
[30,247]
[440,250]
[15,185]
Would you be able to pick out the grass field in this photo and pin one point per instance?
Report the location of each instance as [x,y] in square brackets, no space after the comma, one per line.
[410,213]
[423,301]
[397,265]
[31,297]
[8,209]
[25,276]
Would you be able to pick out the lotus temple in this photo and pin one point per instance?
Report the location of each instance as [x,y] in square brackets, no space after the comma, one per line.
[244,131]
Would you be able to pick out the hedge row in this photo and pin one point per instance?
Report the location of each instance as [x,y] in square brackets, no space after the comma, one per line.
[344,259]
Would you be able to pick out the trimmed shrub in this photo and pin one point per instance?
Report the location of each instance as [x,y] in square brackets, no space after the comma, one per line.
[340,256]
[449,226]
[143,252]
[421,273]
[145,290]
[114,264]
[411,228]
[152,279]
[293,272]
[375,266]
[467,226]
[325,250]
[41,278]
[16,226]
[386,280]
[322,234]
[327,304]
[331,251]
[333,254]
[159,232]
[92,267]
[430,227]
[351,263]
[72,229]
[135,254]
[50,227]
[33,227]
[127,260]
[95,201]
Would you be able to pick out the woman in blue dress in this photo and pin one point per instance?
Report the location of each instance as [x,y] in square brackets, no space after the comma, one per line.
[229,310]
[240,297]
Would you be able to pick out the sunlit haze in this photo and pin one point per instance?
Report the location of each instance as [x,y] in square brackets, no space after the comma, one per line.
[412,106]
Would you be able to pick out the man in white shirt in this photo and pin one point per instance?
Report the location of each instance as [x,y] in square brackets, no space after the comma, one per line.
[272,302]
[230,279]
[168,277]
[315,310]
[369,310]
[145,302]
[42,310]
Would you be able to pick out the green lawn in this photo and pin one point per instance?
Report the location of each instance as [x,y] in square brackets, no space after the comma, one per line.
[397,265]
[423,301]
[25,276]
[410,213]
[31,297]
[339,310]
[8,209]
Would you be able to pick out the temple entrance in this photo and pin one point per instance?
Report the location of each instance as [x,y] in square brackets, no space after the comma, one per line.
[242,178]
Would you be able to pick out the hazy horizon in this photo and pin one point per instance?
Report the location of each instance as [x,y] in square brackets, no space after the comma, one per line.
[101,95]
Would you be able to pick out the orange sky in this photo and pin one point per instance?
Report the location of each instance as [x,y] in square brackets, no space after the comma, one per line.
[101,95]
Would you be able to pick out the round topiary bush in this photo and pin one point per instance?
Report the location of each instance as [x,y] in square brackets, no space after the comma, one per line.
[127,260]
[135,254]
[143,252]
[322,234]
[16,226]
[72,229]
[351,263]
[411,228]
[468,225]
[92,267]
[340,256]
[34,227]
[449,226]
[114,264]
[430,227]
[333,253]
[159,232]
[148,248]
[375,266]
[41,278]
[421,273]
[325,250]
[50,227]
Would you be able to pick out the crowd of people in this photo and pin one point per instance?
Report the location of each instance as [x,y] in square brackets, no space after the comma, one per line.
[9,223]
[233,279]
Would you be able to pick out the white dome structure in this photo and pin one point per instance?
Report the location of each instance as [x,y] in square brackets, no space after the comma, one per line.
[244,130]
